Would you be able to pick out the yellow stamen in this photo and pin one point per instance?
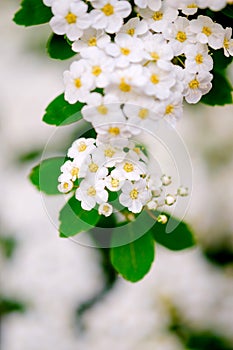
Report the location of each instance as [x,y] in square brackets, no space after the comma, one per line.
[125,51]
[123,86]
[199,58]
[154,79]
[93,167]
[78,83]
[113,130]
[169,109]
[131,31]
[91,191]
[96,70]
[157,16]
[108,10]
[102,109]
[106,208]
[134,193]
[226,43]
[154,56]
[143,113]
[71,18]
[109,153]
[92,41]
[192,6]
[181,36]
[65,185]
[74,172]
[115,183]
[207,31]
[194,84]
[82,147]
[128,167]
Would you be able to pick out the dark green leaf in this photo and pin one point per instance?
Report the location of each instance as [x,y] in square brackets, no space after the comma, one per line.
[221,62]
[228,11]
[59,48]
[45,175]
[134,259]
[8,306]
[59,112]
[175,235]
[8,245]
[73,219]
[32,12]
[221,92]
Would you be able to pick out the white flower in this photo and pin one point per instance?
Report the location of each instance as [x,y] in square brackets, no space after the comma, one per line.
[48,2]
[114,181]
[102,110]
[108,155]
[152,4]
[109,14]
[215,5]
[134,27]
[171,109]
[179,35]
[126,83]
[198,59]
[70,18]
[228,42]
[207,32]
[189,7]
[65,186]
[99,67]
[72,170]
[159,81]
[196,86]
[105,209]
[78,82]
[125,49]
[91,38]
[158,20]
[135,195]
[157,50]
[81,148]
[94,168]
[117,134]
[141,116]
[131,168]
[91,192]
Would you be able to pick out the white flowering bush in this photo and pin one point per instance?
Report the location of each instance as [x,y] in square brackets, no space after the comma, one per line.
[134,64]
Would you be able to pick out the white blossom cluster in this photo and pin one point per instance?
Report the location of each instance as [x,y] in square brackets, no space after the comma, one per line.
[136,63]
[97,169]
[146,52]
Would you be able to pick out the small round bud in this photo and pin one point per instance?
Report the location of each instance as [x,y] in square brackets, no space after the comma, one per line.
[162,219]
[182,191]
[170,200]
[131,217]
[166,180]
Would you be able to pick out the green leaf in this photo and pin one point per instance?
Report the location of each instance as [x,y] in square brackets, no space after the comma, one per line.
[228,11]
[59,48]
[8,245]
[45,175]
[8,306]
[73,219]
[221,92]
[32,12]
[59,112]
[175,235]
[221,62]
[134,259]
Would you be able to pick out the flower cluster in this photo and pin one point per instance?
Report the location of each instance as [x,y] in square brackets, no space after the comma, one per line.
[145,53]
[136,62]
[96,169]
